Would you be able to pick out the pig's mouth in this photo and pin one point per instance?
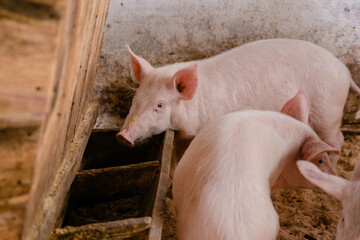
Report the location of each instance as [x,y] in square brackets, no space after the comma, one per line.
[124,139]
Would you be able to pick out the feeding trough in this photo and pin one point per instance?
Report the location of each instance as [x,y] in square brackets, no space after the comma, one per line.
[120,192]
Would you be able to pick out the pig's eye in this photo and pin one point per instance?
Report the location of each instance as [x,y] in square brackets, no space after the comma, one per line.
[159,106]
[342,222]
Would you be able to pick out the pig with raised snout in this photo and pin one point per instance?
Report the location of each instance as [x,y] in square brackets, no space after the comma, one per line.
[222,184]
[260,75]
[348,192]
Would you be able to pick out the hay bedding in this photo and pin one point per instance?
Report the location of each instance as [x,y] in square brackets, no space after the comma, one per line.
[304,213]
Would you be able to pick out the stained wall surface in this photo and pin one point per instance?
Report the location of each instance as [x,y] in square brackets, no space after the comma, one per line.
[165,31]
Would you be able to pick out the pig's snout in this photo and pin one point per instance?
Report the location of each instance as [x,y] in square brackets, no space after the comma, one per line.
[124,138]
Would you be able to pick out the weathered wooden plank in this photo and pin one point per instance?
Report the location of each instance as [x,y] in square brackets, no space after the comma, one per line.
[157,214]
[28,33]
[82,18]
[86,60]
[62,212]
[20,122]
[64,177]
[123,208]
[14,201]
[350,129]
[106,184]
[122,229]
[146,205]
[106,129]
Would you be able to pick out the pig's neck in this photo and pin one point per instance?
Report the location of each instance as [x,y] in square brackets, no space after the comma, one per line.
[189,116]
[216,95]
[185,117]
[279,144]
[283,162]
[285,172]
[272,161]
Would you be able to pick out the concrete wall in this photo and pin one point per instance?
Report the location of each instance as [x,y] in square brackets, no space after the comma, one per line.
[166,31]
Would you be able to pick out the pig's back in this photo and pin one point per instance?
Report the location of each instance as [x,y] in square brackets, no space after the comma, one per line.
[220,170]
[265,74]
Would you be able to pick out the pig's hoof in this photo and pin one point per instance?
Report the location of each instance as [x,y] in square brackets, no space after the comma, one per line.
[124,140]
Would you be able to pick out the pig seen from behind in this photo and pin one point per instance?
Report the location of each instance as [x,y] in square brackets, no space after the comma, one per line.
[221,187]
[348,192]
[260,75]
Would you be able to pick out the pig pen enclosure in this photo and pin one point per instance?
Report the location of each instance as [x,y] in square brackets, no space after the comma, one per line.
[84,184]
[165,32]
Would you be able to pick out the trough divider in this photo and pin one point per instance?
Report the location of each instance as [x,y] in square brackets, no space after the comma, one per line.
[149,180]
[159,205]
[107,184]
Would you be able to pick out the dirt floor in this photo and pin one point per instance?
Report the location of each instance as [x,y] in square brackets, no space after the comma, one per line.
[17,154]
[304,213]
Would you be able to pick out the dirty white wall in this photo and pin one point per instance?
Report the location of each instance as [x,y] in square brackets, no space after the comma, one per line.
[166,31]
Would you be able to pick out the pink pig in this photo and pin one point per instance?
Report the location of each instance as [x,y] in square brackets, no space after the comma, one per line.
[222,184]
[260,75]
[348,192]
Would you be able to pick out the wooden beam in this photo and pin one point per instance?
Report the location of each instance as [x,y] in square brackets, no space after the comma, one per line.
[350,129]
[107,184]
[157,214]
[46,213]
[20,122]
[122,229]
[29,34]
[60,145]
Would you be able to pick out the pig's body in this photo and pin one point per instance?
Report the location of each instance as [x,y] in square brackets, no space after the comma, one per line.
[258,75]
[222,184]
[264,75]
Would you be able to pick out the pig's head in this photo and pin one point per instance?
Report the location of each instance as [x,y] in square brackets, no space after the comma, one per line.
[311,148]
[159,93]
[348,192]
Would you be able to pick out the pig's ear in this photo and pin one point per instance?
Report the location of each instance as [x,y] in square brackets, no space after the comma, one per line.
[356,173]
[297,107]
[312,149]
[331,184]
[185,82]
[139,66]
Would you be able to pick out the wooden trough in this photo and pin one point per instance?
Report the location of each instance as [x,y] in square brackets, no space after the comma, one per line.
[120,191]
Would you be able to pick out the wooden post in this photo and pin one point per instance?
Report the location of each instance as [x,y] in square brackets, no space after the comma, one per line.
[157,215]
[71,115]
